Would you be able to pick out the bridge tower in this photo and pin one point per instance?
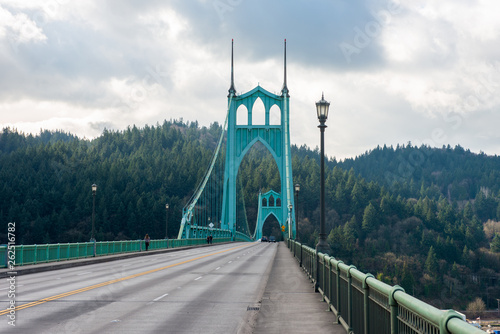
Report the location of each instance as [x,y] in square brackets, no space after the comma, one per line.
[276,138]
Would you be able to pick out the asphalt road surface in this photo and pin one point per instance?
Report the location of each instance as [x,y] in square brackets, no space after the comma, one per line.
[201,290]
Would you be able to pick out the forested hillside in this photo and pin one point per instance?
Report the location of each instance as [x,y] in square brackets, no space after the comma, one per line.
[46,181]
[423,218]
[454,173]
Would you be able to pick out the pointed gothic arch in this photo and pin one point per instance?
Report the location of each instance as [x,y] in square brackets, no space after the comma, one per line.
[274,115]
[258,112]
[242,115]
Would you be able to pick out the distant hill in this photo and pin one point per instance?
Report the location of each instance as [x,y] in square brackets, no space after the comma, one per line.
[454,173]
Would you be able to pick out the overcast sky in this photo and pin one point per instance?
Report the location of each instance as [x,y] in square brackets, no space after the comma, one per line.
[420,71]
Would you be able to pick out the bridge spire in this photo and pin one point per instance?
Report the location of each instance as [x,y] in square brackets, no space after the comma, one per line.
[232,90]
[284,90]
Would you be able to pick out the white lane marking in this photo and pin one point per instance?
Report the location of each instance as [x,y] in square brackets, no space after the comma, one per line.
[217,268]
[158,298]
[198,278]
[87,272]
[230,261]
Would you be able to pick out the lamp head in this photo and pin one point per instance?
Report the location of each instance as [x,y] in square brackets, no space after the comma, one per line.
[322,107]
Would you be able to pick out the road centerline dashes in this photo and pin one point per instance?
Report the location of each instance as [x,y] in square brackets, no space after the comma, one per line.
[158,298]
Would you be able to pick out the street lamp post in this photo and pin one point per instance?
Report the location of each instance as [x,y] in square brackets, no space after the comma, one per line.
[290,233]
[94,190]
[297,189]
[322,107]
[166,221]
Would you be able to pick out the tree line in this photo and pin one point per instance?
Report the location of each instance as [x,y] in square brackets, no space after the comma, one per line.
[424,218]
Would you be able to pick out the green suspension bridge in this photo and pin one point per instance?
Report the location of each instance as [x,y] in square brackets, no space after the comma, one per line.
[214,208]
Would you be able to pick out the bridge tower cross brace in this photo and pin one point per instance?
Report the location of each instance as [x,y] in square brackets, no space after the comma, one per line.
[276,138]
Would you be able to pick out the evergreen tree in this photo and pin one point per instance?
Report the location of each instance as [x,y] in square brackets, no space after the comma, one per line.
[495,243]
[350,234]
[370,220]
[407,280]
[431,264]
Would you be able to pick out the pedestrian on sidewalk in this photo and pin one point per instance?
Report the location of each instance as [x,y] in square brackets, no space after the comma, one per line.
[147,239]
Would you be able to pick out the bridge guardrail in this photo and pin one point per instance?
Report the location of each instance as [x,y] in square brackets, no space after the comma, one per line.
[363,304]
[34,254]
[242,237]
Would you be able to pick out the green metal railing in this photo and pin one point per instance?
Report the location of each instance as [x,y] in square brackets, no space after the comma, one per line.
[243,237]
[363,304]
[33,254]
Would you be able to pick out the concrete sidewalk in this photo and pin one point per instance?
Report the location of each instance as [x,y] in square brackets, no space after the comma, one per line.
[289,303]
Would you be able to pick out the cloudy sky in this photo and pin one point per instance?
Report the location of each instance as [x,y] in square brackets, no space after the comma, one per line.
[420,71]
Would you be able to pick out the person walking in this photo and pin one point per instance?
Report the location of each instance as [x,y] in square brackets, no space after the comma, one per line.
[147,239]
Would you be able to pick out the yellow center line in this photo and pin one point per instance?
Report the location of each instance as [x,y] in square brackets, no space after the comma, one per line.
[95,286]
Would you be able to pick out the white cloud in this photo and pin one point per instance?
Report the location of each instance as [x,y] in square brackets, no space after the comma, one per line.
[83,66]
[19,28]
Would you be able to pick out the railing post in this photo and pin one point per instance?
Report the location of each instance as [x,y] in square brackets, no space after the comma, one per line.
[443,324]
[366,303]
[300,261]
[327,286]
[330,280]
[394,308]
[339,308]
[349,297]
[35,256]
[316,271]
[323,280]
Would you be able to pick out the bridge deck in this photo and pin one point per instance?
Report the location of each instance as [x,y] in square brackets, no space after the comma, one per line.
[289,303]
